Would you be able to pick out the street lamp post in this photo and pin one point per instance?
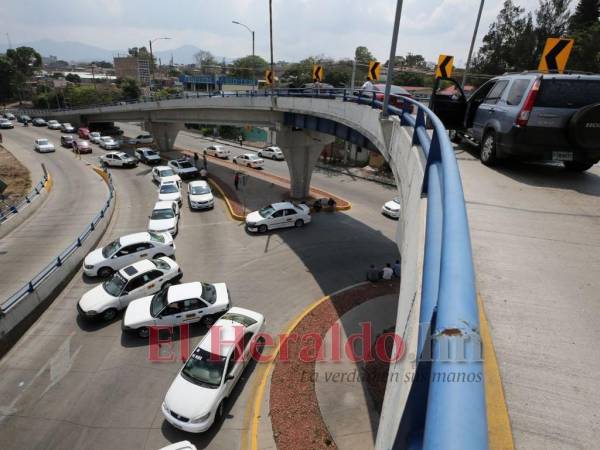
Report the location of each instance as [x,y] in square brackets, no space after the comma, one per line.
[94,76]
[464,79]
[271,34]
[248,28]
[152,59]
[390,68]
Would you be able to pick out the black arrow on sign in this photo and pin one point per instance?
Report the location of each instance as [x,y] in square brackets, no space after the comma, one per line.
[270,78]
[553,54]
[443,65]
[374,71]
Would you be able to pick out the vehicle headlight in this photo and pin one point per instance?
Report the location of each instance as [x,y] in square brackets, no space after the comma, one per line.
[200,418]
[88,266]
[165,407]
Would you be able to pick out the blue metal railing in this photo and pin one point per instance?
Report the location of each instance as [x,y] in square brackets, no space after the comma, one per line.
[38,279]
[7,211]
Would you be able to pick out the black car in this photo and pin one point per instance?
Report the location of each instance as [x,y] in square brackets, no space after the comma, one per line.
[38,122]
[67,141]
[528,116]
[23,118]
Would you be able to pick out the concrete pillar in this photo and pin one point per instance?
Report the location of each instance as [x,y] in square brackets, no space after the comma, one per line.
[164,134]
[301,149]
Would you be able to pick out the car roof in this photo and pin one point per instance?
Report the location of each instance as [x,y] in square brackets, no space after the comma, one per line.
[137,268]
[282,205]
[197,183]
[163,168]
[167,182]
[163,204]
[184,291]
[146,149]
[226,329]
[134,238]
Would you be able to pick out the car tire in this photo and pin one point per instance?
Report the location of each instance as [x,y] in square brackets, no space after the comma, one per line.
[143,332]
[263,228]
[109,314]
[577,166]
[219,412]
[208,321]
[234,161]
[488,149]
[105,272]
[299,223]
[158,255]
[260,155]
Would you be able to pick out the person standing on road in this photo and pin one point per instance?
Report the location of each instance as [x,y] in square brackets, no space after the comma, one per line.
[196,160]
[241,140]
[236,181]
[387,272]
[367,86]
[204,160]
[77,153]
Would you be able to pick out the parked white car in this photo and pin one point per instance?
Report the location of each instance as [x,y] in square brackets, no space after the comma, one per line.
[95,137]
[144,138]
[181,445]
[43,146]
[271,152]
[176,305]
[392,208]
[184,168]
[219,151]
[126,250]
[6,124]
[195,400]
[140,279]
[67,128]
[53,125]
[278,215]
[108,143]
[200,195]
[249,160]
[160,174]
[147,155]
[164,218]
[118,159]
[170,191]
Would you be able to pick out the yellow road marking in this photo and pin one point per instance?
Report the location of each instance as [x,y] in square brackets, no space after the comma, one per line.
[233,215]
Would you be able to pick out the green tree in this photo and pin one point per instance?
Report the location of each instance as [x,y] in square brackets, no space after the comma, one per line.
[130,89]
[363,55]
[415,61]
[585,55]
[205,61]
[17,66]
[103,64]
[249,66]
[551,20]
[409,79]
[587,14]
[73,78]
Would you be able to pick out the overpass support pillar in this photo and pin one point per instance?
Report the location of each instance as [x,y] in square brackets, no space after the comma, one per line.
[164,133]
[301,149]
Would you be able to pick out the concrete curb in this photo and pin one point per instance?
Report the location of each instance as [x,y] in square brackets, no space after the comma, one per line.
[232,213]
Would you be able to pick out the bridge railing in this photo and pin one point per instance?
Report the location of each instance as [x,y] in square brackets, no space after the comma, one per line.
[60,259]
[7,211]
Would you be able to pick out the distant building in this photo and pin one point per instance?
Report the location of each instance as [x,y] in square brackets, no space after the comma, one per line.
[132,67]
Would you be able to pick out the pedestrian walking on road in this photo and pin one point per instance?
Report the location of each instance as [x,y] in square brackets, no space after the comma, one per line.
[241,140]
[77,153]
[236,181]
[196,160]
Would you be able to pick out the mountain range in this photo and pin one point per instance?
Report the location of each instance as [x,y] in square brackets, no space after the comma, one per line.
[80,52]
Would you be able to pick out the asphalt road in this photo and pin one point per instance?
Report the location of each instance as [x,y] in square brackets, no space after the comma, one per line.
[68,384]
[76,197]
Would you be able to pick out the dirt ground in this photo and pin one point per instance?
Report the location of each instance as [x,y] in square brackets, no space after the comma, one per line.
[15,175]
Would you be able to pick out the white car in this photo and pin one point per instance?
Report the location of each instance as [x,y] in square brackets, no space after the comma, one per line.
[184,168]
[392,208]
[130,283]
[219,151]
[196,397]
[199,195]
[10,116]
[160,174]
[271,152]
[170,191]
[147,155]
[181,445]
[95,137]
[118,159]
[249,160]
[126,250]
[43,146]
[67,128]
[108,143]
[176,305]
[164,218]
[278,215]
[144,138]
[6,124]
[53,125]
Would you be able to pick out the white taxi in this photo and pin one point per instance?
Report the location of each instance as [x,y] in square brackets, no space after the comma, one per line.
[392,208]
[200,195]
[219,151]
[160,174]
[271,152]
[170,191]
[249,160]
[164,218]
[278,215]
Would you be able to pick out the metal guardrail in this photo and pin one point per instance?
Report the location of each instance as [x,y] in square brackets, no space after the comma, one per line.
[6,212]
[38,279]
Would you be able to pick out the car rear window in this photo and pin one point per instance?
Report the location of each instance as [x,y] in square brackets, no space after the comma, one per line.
[517,91]
[239,318]
[157,237]
[567,93]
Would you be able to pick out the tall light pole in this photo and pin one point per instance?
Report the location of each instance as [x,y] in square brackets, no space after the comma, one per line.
[271,34]
[247,28]
[152,59]
[390,68]
[464,79]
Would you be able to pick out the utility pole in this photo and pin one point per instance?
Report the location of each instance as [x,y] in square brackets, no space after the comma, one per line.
[390,68]
[247,28]
[152,59]
[464,79]
[8,39]
[94,77]
[271,35]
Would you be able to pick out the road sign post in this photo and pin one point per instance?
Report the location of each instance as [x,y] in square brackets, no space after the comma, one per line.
[555,55]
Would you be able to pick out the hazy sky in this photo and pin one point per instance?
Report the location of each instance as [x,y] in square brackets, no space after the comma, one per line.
[301,27]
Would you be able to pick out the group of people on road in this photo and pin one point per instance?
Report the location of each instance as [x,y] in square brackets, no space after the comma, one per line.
[388,272]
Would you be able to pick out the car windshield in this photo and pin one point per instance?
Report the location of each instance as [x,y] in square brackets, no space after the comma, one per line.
[111,248]
[106,139]
[158,302]
[396,200]
[94,134]
[239,318]
[115,285]
[185,165]
[209,293]
[159,214]
[204,368]
[43,141]
[266,211]
[156,237]
[66,124]
[160,264]
[200,190]
[168,189]
[150,153]
[166,173]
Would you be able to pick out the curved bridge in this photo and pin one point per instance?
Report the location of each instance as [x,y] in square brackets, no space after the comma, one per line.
[443,404]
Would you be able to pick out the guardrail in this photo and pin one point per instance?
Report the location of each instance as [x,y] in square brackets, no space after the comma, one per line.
[60,259]
[6,212]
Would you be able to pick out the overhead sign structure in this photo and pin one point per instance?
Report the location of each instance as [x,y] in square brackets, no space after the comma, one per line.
[444,67]
[374,69]
[555,55]
[269,76]
[318,73]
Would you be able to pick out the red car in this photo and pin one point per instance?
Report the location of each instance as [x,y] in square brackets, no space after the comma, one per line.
[81,146]
[83,133]
[395,92]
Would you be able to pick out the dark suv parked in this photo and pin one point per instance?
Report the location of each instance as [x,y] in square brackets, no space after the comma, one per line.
[530,116]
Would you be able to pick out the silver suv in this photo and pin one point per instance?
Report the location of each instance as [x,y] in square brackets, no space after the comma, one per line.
[529,116]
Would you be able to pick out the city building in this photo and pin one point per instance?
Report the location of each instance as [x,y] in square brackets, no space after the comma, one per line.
[132,67]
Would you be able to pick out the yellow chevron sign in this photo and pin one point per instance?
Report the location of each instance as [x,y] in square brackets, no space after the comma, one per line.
[444,67]
[555,55]
[318,73]
[374,69]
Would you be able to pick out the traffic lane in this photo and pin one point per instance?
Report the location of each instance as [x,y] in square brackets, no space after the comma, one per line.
[536,238]
[77,196]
